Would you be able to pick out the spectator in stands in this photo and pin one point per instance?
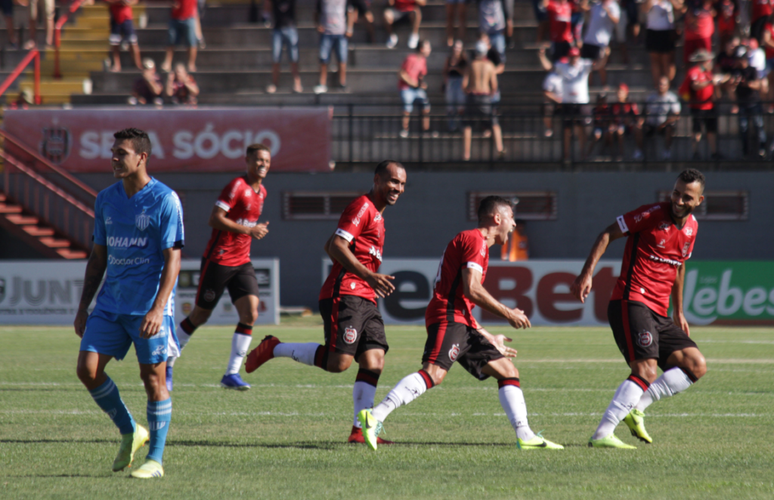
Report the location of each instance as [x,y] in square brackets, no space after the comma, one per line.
[767,43]
[541,16]
[181,87]
[413,87]
[579,8]
[603,18]
[122,29]
[403,9]
[480,83]
[662,111]
[283,13]
[7,8]
[748,85]
[24,100]
[602,124]
[491,20]
[508,7]
[761,12]
[331,21]
[552,102]
[200,5]
[628,26]
[453,72]
[456,10]
[182,31]
[48,11]
[699,28]
[626,119]
[725,64]
[560,32]
[148,88]
[660,37]
[726,18]
[494,56]
[361,9]
[519,243]
[699,90]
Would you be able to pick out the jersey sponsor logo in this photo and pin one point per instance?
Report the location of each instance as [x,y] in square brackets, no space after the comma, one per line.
[454,352]
[644,339]
[350,335]
[661,243]
[249,205]
[688,231]
[142,221]
[127,242]
[664,226]
[246,223]
[685,248]
[671,262]
[376,253]
[356,220]
[137,261]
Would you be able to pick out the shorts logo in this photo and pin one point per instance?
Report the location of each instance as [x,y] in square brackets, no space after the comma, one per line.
[142,221]
[209,295]
[644,339]
[350,335]
[160,350]
[454,352]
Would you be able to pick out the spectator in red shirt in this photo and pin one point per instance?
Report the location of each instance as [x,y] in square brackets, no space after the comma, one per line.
[726,17]
[627,118]
[761,11]
[699,90]
[413,88]
[181,86]
[122,29]
[182,31]
[403,9]
[767,43]
[560,27]
[699,28]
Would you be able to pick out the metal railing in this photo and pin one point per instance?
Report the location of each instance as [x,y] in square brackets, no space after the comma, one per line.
[535,135]
[32,55]
[75,5]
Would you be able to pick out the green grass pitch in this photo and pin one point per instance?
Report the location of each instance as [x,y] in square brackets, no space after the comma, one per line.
[285,438]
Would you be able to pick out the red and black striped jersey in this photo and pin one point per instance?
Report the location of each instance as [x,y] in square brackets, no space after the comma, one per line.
[654,250]
[243,205]
[467,250]
[362,225]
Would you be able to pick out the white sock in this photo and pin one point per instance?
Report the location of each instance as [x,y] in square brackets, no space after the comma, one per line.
[363,397]
[182,340]
[627,395]
[303,353]
[512,401]
[406,391]
[240,343]
[668,384]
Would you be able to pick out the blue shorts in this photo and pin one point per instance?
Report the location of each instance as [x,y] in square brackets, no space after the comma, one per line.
[123,31]
[410,96]
[112,334]
[288,37]
[326,47]
[182,32]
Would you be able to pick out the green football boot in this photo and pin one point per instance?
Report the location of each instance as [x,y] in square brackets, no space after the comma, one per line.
[635,421]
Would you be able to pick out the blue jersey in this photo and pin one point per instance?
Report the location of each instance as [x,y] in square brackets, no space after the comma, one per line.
[136,231]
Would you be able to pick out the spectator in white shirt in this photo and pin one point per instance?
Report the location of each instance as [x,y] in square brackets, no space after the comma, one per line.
[552,91]
[603,17]
[662,110]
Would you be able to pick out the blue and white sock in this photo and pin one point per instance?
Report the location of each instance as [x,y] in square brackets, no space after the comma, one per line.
[159,416]
[109,400]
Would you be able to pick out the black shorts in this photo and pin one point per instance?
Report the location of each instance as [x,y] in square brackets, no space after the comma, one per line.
[559,50]
[757,27]
[708,117]
[592,52]
[642,334]
[632,13]
[214,278]
[479,112]
[450,342]
[661,41]
[651,130]
[352,325]
[361,6]
[572,114]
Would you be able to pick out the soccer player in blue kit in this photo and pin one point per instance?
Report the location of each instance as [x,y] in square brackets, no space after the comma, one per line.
[138,234]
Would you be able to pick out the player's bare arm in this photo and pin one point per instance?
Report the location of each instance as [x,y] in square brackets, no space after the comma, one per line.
[499,342]
[95,270]
[475,291]
[339,250]
[153,319]
[677,301]
[218,220]
[581,287]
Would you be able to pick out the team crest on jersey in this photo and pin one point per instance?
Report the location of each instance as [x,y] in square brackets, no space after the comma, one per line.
[688,231]
[454,352]
[55,145]
[350,335]
[665,226]
[142,221]
[644,339]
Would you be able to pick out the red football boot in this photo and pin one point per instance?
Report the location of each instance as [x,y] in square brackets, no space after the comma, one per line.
[261,354]
[357,437]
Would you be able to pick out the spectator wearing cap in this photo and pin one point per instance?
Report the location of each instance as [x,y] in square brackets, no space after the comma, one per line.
[181,87]
[480,84]
[182,31]
[699,28]
[603,17]
[575,93]
[698,89]
[122,30]
[148,88]
[626,120]
[284,34]
[662,111]
[660,36]
[748,97]
[398,10]
[413,87]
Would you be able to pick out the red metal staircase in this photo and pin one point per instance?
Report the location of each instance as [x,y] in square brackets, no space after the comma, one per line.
[43,205]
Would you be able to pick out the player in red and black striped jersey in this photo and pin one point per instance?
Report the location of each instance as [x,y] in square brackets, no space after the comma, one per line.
[453,335]
[226,263]
[660,240]
[354,330]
